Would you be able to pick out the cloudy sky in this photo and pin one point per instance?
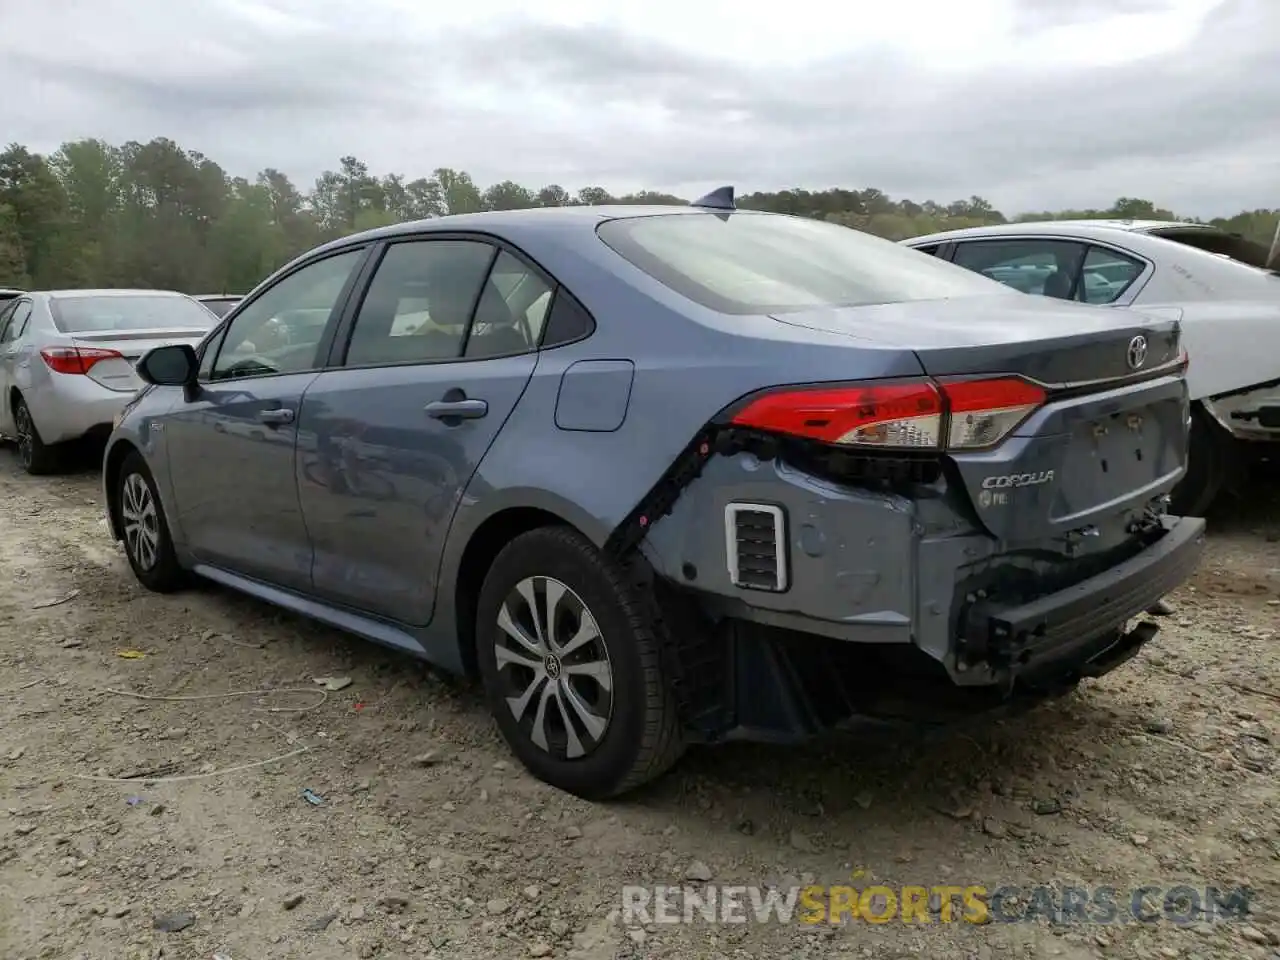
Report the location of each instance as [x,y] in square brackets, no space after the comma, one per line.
[1030,103]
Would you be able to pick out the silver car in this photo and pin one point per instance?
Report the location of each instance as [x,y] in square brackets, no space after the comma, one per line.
[67,356]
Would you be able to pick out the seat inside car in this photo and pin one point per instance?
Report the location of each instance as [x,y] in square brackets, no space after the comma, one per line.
[1058,284]
[496,330]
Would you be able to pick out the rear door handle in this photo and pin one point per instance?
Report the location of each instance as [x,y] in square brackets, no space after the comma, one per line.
[457,409]
[276,417]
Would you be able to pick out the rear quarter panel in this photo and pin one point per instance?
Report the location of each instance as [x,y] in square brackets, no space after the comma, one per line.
[1233,344]
[688,364]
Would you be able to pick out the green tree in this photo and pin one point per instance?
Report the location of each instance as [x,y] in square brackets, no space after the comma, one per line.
[508,195]
[154,214]
[13,262]
[458,193]
[554,195]
[594,196]
[30,190]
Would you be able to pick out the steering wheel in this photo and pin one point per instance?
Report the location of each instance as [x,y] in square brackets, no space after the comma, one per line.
[252,364]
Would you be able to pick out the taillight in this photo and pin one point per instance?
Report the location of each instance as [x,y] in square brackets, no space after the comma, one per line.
[880,415]
[983,412]
[76,359]
[913,415]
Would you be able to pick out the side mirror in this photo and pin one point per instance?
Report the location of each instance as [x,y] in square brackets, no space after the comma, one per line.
[175,365]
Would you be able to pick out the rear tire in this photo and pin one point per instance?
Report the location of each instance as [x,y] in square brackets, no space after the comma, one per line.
[571,667]
[37,458]
[1209,460]
[147,543]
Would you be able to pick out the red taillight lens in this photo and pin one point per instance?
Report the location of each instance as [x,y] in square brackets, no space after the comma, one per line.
[913,415]
[984,411]
[879,415]
[76,359]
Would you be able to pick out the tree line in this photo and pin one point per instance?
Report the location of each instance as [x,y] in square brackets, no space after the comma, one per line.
[154,215]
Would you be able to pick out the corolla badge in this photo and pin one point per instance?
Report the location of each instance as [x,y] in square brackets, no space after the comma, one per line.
[1137,352]
[1018,480]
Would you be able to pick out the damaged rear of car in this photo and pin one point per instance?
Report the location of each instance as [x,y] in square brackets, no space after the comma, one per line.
[977,532]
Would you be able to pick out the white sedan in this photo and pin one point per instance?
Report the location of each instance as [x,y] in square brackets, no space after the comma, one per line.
[1215,282]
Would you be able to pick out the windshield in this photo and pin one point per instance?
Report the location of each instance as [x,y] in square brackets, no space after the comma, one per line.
[129,312]
[749,263]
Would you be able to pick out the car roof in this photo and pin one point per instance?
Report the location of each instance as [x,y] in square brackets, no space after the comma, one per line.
[1075,228]
[500,221]
[110,292]
[218,296]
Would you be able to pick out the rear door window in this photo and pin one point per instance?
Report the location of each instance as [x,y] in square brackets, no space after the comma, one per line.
[1047,268]
[512,311]
[6,311]
[1106,275]
[17,324]
[419,304]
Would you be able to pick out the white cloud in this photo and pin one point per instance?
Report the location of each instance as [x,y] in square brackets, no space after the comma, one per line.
[1032,103]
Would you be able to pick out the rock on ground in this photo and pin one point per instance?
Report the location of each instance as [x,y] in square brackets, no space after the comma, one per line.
[400,860]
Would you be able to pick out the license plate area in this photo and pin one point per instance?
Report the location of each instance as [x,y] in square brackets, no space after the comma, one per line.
[1112,456]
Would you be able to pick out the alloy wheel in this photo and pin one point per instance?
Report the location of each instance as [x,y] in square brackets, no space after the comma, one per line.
[555,668]
[26,434]
[141,521]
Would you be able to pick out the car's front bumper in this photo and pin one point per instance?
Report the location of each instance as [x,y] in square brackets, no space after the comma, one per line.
[1252,416]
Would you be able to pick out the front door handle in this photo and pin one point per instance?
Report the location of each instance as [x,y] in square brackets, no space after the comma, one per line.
[457,409]
[276,417]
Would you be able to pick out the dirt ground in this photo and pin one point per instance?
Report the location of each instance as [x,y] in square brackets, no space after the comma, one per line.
[431,842]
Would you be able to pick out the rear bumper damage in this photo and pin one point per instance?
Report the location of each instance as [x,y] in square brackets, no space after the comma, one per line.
[1053,633]
[890,606]
[756,681]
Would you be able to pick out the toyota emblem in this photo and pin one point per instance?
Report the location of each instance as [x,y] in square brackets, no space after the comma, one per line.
[1137,353]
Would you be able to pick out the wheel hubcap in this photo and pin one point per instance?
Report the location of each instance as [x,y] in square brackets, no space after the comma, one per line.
[141,523]
[554,667]
[22,420]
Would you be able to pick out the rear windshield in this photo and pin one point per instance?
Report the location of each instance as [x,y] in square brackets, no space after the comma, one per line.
[142,312]
[1229,245]
[748,263]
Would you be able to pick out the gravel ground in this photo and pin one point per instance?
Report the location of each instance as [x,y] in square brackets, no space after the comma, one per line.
[431,842]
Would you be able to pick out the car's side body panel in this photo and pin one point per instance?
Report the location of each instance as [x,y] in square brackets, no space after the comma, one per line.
[379,479]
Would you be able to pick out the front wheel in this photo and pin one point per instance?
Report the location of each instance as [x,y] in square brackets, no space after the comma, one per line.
[571,667]
[147,543]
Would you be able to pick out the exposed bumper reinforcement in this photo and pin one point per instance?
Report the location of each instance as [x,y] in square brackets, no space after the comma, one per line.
[1069,623]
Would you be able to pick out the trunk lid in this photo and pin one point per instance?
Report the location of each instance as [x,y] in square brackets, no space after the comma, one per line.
[1052,342]
[118,374]
[1111,436]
